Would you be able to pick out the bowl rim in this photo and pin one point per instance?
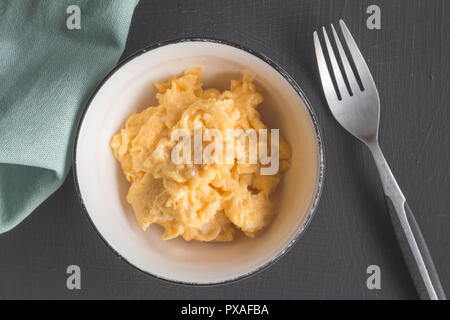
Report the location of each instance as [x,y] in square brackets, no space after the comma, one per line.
[321,159]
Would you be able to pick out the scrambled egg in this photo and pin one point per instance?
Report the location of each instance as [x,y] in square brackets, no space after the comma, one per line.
[205,202]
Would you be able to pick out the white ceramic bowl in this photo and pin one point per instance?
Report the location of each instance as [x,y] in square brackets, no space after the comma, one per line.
[102,187]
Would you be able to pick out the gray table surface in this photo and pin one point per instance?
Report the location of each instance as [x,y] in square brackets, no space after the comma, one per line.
[409,59]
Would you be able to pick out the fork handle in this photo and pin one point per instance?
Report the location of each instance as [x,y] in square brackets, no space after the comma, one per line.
[412,243]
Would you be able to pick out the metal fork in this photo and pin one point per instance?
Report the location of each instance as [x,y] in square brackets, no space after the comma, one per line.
[358,111]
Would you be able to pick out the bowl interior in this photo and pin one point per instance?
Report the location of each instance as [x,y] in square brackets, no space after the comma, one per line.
[103,187]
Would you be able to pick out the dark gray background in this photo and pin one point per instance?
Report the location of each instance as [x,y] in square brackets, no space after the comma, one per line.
[409,59]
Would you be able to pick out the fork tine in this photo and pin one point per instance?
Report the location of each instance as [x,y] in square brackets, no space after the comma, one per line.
[327,83]
[354,87]
[336,70]
[360,63]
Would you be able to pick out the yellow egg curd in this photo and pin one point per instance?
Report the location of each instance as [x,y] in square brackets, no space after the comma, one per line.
[206,202]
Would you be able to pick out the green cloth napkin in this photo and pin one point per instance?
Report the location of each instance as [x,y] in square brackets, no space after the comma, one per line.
[47,74]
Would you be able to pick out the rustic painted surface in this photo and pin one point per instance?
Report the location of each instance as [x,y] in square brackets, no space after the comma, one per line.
[409,59]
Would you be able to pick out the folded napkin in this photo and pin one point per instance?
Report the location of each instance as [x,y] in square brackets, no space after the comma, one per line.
[47,74]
